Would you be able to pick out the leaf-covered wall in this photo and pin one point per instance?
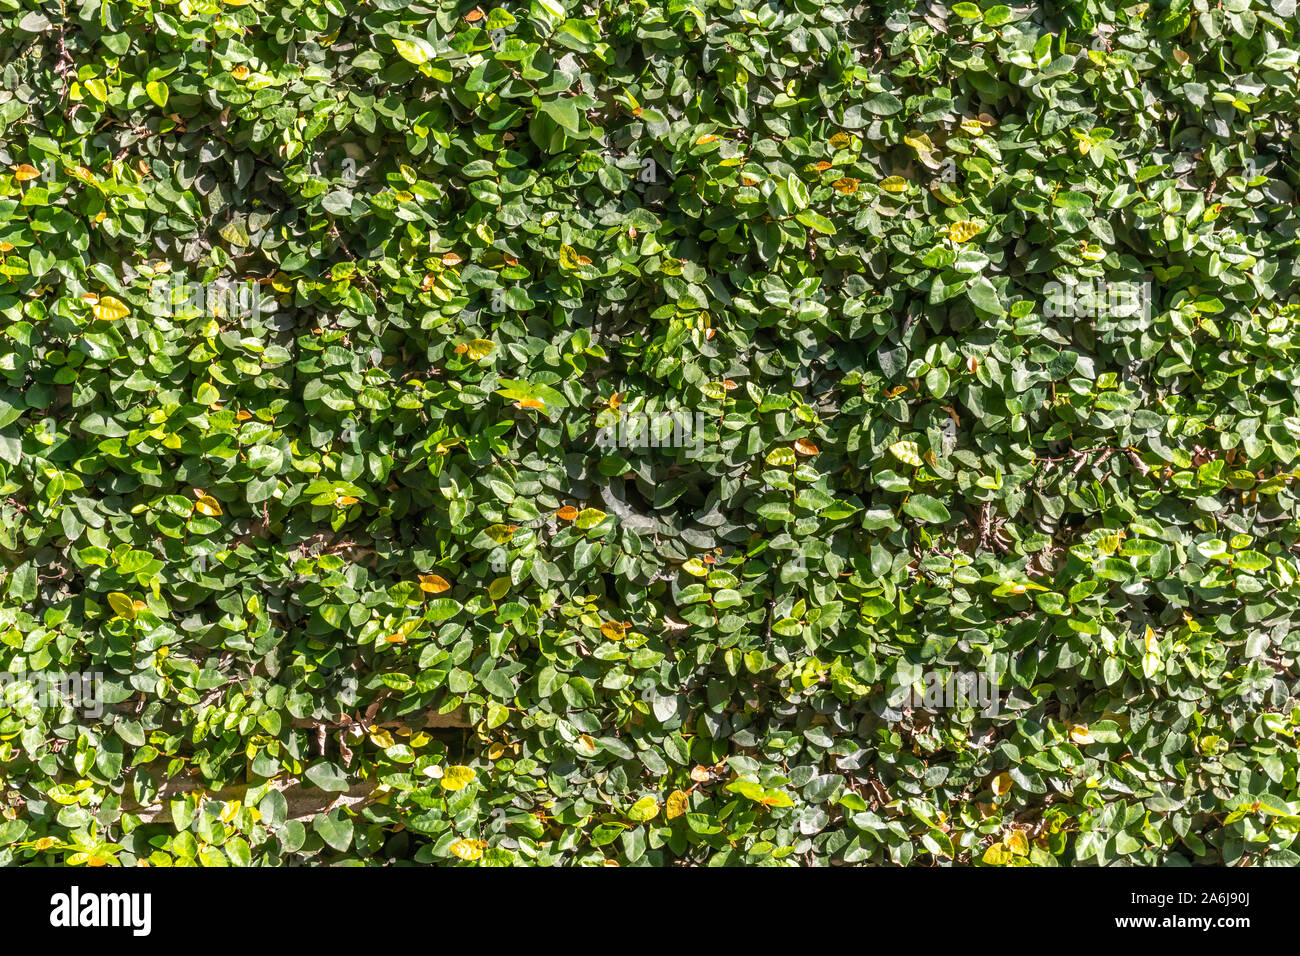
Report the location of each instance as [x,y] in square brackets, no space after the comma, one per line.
[574,433]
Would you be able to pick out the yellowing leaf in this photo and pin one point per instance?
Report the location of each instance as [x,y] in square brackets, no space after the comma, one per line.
[25,172]
[1002,783]
[1080,734]
[109,309]
[964,231]
[467,849]
[569,257]
[893,184]
[696,567]
[997,855]
[1152,642]
[781,457]
[805,447]
[433,584]
[1017,843]
[208,505]
[907,452]
[122,605]
[414,51]
[499,588]
[612,630]
[678,803]
[972,127]
[839,140]
[457,778]
[845,185]
[480,349]
[644,810]
[451,259]
[589,518]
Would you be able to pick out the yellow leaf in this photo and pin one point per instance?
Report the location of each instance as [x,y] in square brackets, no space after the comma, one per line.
[696,567]
[612,630]
[893,184]
[845,185]
[499,588]
[567,513]
[240,72]
[805,447]
[587,743]
[451,259]
[467,849]
[480,349]
[1017,843]
[1080,734]
[1152,642]
[500,533]
[122,605]
[781,457]
[964,231]
[644,810]
[678,803]
[706,138]
[839,140]
[997,855]
[589,518]
[109,309]
[26,172]
[1002,783]
[972,127]
[907,452]
[208,505]
[456,778]
[433,584]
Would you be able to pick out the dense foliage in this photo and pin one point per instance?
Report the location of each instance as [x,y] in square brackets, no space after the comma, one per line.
[973,327]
